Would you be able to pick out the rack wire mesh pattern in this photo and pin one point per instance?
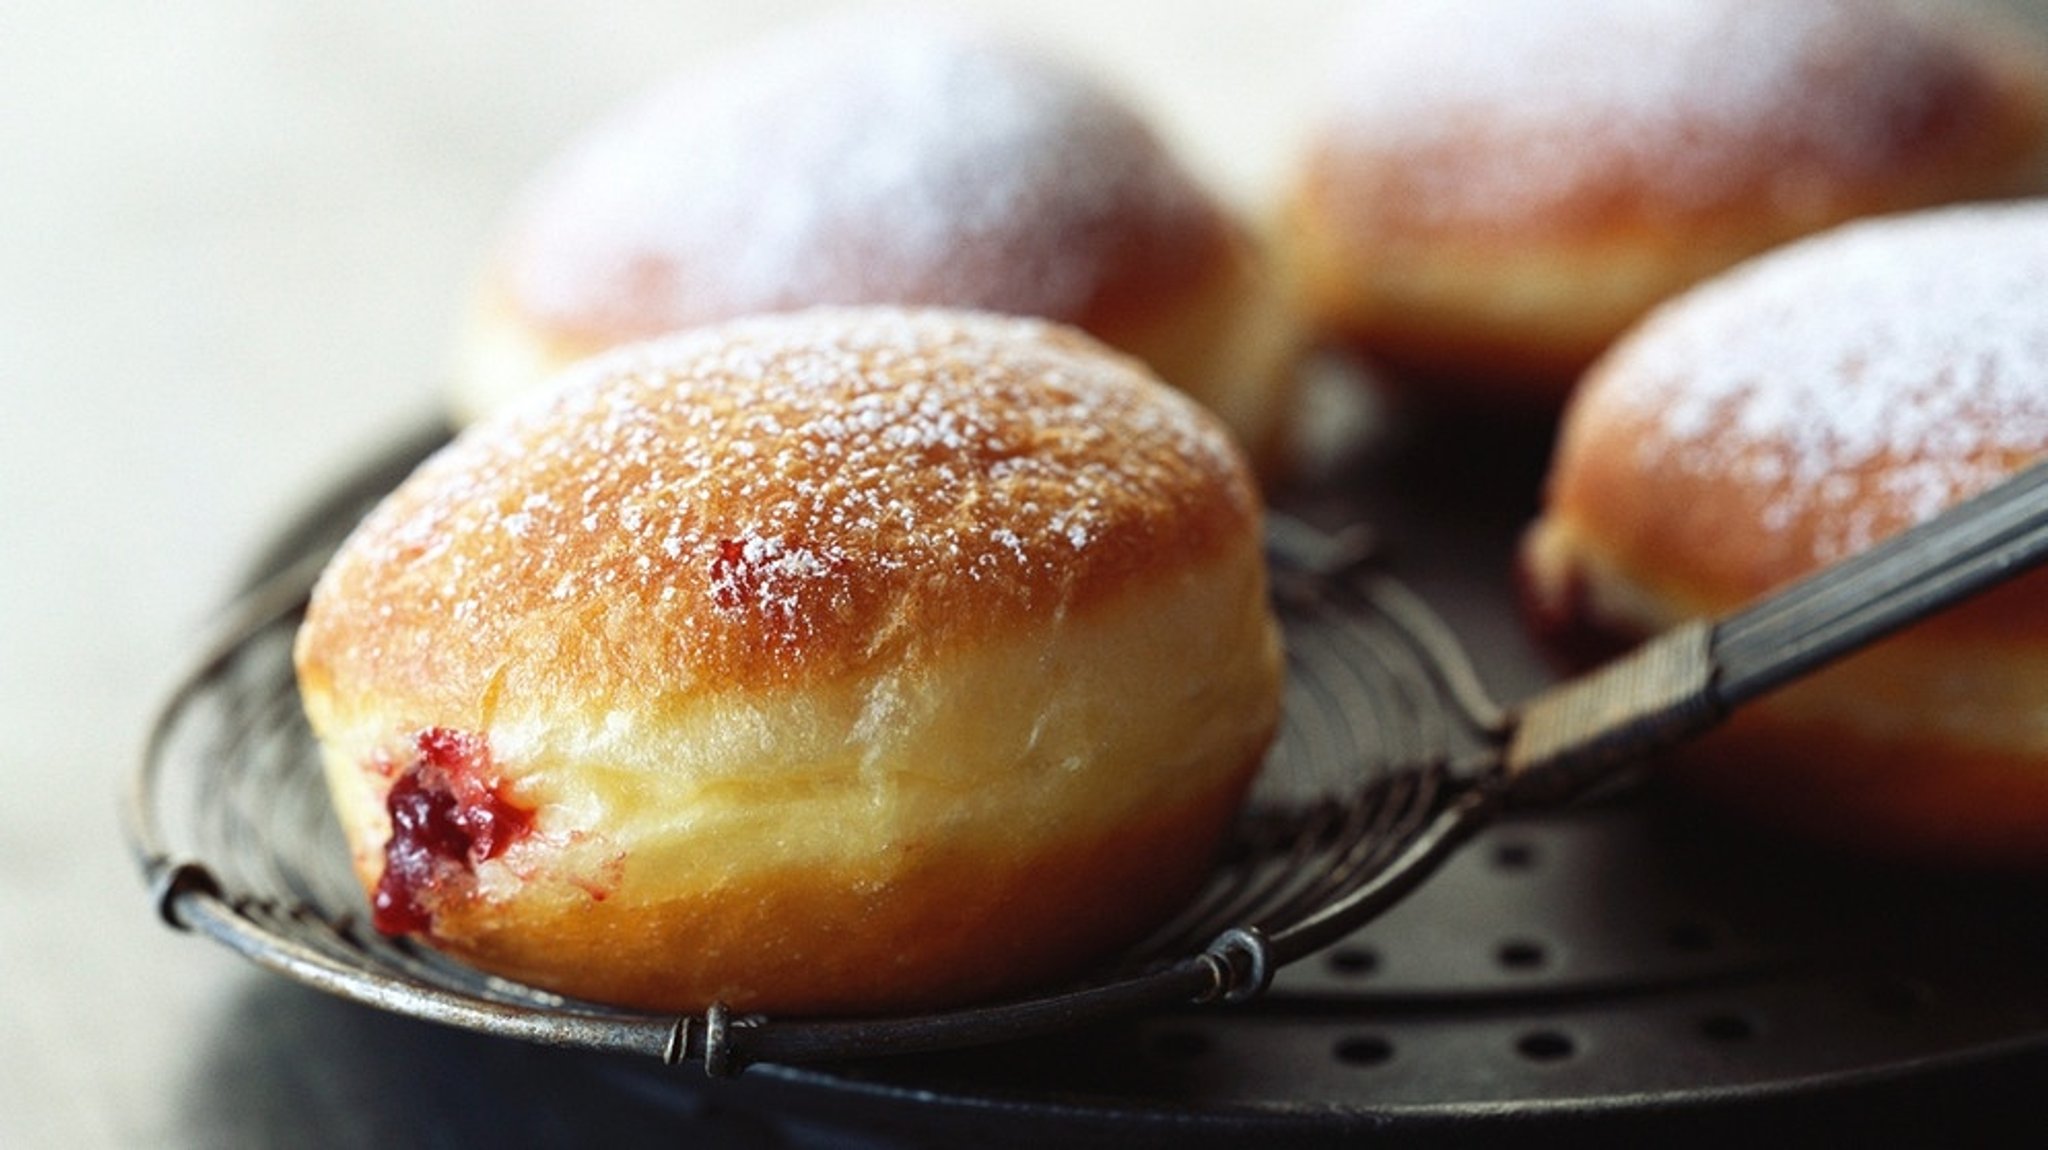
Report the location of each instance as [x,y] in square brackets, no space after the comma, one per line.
[229,820]
[1624,963]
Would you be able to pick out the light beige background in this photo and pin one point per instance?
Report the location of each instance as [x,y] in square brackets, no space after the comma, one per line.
[234,239]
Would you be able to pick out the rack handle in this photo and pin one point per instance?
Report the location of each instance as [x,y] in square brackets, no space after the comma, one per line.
[1687,679]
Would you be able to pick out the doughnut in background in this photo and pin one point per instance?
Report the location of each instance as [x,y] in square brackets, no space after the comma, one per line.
[888,158]
[1500,188]
[1787,415]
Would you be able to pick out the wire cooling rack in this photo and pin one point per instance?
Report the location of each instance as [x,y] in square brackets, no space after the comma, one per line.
[229,819]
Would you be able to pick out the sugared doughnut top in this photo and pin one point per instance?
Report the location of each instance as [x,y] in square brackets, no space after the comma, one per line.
[885,159]
[778,500]
[1466,113]
[1823,397]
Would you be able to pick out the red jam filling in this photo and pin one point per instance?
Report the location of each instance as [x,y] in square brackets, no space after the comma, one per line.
[448,813]
[731,577]
[1568,631]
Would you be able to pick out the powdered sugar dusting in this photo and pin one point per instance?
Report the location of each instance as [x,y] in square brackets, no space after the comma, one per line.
[1904,358]
[767,575]
[1531,102]
[769,482]
[883,159]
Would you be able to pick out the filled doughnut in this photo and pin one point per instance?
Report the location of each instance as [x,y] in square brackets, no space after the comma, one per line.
[836,661]
[1785,416]
[1498,190]
[894,159]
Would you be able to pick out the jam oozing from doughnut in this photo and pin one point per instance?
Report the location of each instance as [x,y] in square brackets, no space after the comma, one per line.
[1565,623]
[448,813]
[729,576]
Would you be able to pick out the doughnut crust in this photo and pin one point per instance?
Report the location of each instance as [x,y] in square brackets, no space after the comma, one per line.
[1500,190]
[1788,415]
[839,661]
[889,160]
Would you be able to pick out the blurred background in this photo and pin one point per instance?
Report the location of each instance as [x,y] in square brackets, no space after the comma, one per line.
[235,241]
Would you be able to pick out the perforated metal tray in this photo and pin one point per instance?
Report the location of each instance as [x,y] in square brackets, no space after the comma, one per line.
[1635,970]
[1631,966]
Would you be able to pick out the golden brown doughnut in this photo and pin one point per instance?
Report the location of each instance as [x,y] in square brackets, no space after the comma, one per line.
[892,160]
[843,660]
[1785,416]
[1499,190]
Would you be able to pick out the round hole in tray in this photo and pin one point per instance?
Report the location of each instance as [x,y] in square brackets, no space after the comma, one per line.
[1354,961]
[1546,1046]
[1521,954]
[1514,855]
[1727,1027]
[1364,1050]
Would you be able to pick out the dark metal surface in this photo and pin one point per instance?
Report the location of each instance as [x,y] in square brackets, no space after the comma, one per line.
[1630,968]
[1630,971]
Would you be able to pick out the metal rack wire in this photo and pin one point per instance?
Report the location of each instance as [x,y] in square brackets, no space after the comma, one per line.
[228,819]
[1391,755]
